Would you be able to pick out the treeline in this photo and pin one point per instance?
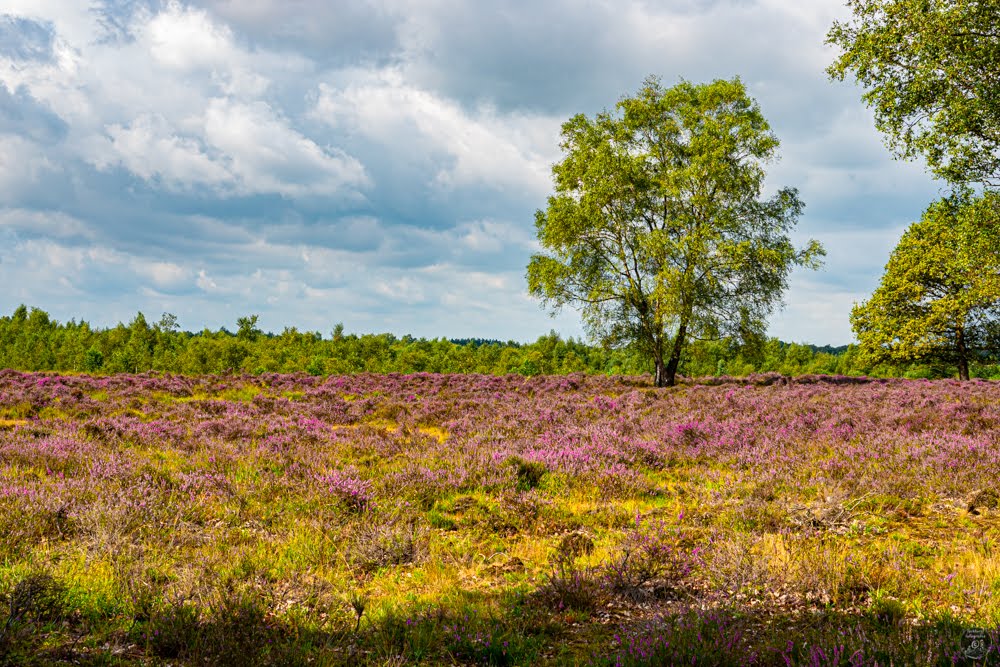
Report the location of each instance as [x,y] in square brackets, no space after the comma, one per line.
[30,340]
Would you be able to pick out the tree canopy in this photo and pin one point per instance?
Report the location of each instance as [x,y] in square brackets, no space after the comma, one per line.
[939,298]
[657,228]
[930,70]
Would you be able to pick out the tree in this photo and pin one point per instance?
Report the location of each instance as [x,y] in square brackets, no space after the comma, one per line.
[657,229]
[930,72]
[168,323]
[939,299]
[247,328]
[137,354]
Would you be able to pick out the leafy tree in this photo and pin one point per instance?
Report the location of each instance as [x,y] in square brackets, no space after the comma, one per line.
[929,68]
[142,340]
[168,323]
[939,299]
[93,360]
[247,328]
[657,227]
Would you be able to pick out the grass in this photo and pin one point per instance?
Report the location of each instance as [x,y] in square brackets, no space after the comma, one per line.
[495,521]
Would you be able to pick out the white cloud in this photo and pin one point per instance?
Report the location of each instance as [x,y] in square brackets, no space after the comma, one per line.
[181,106]
[489,236]
[22,165]
[52,224]
[186,39]
[406,289]
[148,148]
[484,147]
[236,149]
[268,156]
[205,283]
[164,275]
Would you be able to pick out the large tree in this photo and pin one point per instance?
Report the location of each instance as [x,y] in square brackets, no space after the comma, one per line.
[930,70]
[939,299]
[657,228]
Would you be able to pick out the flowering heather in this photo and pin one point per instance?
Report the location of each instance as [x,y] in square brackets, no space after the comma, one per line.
[353,492]
[374,519]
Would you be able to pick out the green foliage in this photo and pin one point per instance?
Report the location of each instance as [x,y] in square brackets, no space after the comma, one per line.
[247,328]
[657,228]
[93,360]
[929,68]
[529,473]
[36,601]
[74,346]
[939,299]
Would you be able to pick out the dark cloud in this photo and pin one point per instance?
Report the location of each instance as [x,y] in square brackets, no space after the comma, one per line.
[333,34]
[23,115]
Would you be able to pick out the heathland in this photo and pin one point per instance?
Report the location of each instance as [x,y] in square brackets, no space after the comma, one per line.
[472,519]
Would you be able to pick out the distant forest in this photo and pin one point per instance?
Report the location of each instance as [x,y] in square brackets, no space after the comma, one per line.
[30,340]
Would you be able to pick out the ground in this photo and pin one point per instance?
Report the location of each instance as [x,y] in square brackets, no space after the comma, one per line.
[439,519]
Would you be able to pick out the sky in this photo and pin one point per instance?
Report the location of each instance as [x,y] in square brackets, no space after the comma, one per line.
[379,162]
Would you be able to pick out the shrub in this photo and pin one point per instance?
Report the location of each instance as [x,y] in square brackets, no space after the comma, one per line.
[36,600]
[655,558]
[570,586]
[355,493]
[529,473]
[396,541]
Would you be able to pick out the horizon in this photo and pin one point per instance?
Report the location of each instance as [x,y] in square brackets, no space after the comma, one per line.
[380,165]
[328,335]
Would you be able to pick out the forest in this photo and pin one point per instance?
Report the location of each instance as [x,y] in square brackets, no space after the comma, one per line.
[31,340]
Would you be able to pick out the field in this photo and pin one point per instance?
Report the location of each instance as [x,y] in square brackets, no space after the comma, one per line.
[435,519]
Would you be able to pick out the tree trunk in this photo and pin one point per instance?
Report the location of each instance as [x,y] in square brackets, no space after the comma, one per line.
[660,380]
[963,356]
[675,356]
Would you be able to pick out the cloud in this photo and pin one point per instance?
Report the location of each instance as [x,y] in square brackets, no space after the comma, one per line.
[148,148]
[25,39]
[378,162]
[205,283]
[268,156]
[24,116]
[44,224]
[179,105]
[334,34]
[186,39]
[22,166]
[480,148]
[239,150]
[164,275]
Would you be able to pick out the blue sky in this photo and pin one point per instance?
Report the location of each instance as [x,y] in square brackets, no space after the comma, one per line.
[379,162]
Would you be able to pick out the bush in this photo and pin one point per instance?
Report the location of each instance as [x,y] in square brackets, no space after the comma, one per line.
[35,601]
[651,560]
[396,541]
[529,473]
[570,586]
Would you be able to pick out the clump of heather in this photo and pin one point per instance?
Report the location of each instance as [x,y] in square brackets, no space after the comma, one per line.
[348,488]
[652,558]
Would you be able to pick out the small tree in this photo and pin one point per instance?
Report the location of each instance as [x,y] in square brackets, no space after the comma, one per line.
[939,299]
[657,228]
[930,70]
[247,328]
